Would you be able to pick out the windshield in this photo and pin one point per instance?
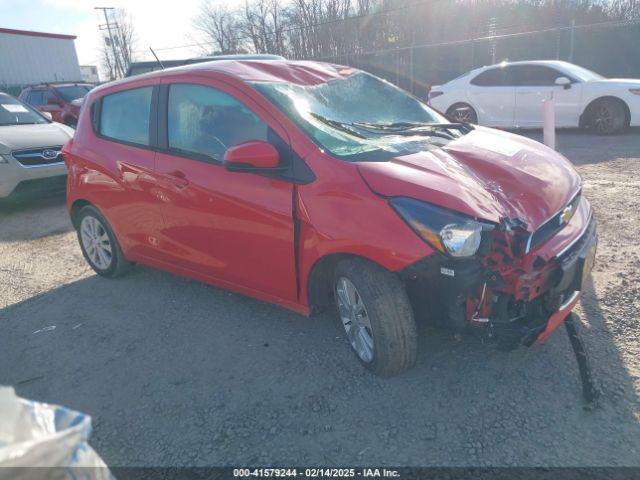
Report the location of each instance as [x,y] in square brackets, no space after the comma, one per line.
[351,117]
[582,73]
[74,92]
[14,112]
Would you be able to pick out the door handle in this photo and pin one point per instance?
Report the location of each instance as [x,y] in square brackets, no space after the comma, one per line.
[178,178]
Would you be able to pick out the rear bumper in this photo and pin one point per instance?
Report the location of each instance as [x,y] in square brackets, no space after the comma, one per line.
[14,177]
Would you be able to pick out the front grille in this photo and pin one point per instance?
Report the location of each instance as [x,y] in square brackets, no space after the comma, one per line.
[554,224]
[39,156]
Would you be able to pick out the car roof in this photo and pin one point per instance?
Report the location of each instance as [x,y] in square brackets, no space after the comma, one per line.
[275,71]
[61,84]
[192,61]
[550,63]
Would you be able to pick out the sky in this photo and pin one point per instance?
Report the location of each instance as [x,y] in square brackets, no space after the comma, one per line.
[158,23]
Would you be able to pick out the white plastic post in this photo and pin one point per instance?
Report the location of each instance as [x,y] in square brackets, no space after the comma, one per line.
[549,122]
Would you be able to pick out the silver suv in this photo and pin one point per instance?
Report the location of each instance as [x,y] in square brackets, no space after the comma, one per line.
[30,144]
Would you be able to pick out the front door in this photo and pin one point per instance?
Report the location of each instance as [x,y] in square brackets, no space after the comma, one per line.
[535,83]
[234,227]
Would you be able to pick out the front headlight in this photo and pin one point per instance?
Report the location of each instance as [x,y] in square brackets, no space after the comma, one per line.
[447,231]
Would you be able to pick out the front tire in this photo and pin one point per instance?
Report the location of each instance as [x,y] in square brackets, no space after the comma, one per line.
[99,245]
[607,116]
[377,317]
[462,112]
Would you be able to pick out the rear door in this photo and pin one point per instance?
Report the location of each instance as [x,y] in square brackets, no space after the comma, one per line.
[235,227]
[492,93]
[535,83]
[123,178]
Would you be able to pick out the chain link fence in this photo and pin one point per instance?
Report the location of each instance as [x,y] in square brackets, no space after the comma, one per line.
[608,48]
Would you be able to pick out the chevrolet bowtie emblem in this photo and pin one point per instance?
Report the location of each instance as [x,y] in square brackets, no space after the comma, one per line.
[566,215]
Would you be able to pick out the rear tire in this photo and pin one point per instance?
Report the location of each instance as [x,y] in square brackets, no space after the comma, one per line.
[99,245]
[606,116]
[462,112]
[380,311]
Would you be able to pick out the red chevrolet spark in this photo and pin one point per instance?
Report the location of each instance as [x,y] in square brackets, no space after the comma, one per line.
[310,185]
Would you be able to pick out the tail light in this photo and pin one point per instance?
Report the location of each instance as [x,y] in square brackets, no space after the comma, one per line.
[435,94]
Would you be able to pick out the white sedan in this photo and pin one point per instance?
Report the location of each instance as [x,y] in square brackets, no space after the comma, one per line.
[510,94]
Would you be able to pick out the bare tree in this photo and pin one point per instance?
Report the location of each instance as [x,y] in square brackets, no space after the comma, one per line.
[263,23]
[431,40]
[117,56]
[220,27]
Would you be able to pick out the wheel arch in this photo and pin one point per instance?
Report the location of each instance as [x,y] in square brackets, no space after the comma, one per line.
[76,206]
[320,279]
[584,115]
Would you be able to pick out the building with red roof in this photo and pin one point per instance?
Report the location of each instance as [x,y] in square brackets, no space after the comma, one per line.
[28,57]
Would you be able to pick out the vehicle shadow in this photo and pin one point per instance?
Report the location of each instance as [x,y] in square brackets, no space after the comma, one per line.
[33,218]
[175,372]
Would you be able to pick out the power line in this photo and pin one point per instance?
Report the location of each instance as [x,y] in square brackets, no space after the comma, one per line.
[613,23]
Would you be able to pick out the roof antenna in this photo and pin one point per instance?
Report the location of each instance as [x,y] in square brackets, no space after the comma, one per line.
[154,54]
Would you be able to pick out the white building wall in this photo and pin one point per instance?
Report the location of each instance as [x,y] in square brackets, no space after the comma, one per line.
[27,59]
[90,73]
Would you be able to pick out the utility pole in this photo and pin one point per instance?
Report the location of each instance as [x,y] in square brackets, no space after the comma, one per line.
[572,40]
[492,30]
[107,25]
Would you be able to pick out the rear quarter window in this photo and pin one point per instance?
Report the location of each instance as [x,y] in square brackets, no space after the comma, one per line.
[125,116]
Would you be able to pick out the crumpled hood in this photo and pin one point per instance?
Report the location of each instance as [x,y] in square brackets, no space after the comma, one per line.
[18,137]
[487,174]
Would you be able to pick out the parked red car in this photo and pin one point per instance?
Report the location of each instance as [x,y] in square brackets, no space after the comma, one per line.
[62,100]
[309,185]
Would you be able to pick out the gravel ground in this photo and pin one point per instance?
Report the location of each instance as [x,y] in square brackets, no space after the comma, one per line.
[175,372]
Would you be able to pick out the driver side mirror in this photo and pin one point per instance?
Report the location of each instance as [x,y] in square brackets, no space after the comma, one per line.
[563,82]
[250,156]
[47,115]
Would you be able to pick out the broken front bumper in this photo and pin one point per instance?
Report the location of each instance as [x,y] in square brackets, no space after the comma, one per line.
[512,302]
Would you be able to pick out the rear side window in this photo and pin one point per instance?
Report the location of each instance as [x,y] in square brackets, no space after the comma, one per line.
[205,122]
[536,75]
[494,77]
[125,116]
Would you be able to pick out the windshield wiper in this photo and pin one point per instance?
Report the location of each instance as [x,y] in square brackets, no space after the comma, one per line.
[343,127]
[413,128]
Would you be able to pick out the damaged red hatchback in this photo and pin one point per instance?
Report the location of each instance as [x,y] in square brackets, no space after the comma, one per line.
[310,185]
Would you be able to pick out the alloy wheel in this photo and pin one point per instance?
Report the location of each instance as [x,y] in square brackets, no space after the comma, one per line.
[96,242]
[463,114]
[355,319]
[603,119]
